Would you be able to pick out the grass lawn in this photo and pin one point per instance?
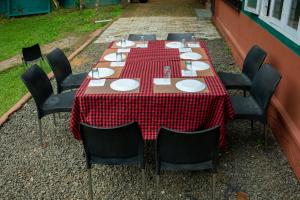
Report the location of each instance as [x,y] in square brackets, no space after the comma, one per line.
[16,33]
[19,32]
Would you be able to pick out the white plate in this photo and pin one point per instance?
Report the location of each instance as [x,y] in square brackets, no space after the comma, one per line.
[198,66]
[102,73]
[112,57]
[190,56]
[124,85]
[128,43]
[190,85]
[174,45]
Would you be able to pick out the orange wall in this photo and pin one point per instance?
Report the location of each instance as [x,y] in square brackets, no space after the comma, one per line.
[241,32]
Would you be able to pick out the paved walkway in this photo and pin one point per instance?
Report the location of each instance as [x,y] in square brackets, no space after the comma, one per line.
[160,26]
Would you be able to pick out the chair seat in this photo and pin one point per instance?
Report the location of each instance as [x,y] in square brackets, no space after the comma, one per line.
[235,81]
[246,108]
[59,103]
[73,81]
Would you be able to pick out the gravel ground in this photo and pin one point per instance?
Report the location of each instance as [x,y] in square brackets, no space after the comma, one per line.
[58,172]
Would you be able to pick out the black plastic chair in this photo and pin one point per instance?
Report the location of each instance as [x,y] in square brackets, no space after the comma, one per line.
[41,90]
[122,145]
[255,106]
[180,36]
[137,37]
[187,151]
[31,54]
[62,70]
[242,81]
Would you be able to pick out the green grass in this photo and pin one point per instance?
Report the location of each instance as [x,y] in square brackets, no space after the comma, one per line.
[16,33]
[11,86]
[20,32]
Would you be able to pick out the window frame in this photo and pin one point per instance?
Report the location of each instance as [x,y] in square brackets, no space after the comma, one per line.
[282,24]
[252,10]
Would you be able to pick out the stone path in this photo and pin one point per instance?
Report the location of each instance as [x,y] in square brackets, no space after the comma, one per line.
[160,26]
[65,43]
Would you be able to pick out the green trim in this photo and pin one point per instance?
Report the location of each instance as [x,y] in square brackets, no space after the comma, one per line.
[281,37]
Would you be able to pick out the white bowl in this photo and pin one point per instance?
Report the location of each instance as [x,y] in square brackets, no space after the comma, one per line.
[190,85]
[124,85]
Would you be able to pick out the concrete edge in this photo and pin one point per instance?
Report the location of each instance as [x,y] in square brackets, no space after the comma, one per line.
[27,96]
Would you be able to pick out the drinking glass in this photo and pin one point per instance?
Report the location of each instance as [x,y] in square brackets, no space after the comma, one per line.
[119,56]
[167,72]
[194,40]
[183,42]
[143,41]
[123,42]
[95,73]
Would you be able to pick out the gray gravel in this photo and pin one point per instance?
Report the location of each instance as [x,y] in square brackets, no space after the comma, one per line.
[58,172]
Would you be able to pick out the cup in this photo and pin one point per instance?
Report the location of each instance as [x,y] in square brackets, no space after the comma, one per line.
[189,65]
[119,56]
[143,41]
[95,73]
[167,72]
[123,42]
[183,42]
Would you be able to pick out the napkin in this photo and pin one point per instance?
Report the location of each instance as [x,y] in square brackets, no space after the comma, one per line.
[188,73]
[162,81]
[96,83]
[184,50]
[142,45]
[117,64]
[127,50]
[193,45]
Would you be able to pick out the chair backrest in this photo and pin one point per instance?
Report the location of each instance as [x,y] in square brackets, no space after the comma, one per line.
[112,145]
[60,66]
[180,36]
[188,148]
[264,85]
[253,61]
[31,53]
[39,86]
[137,37]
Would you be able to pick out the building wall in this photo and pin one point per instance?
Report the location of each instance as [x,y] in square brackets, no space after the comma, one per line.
[241,32]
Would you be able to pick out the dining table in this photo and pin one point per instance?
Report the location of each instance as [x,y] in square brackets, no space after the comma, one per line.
[155,100]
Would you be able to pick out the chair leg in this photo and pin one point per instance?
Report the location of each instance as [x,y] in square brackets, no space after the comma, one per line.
[40,131]
[144,183]
[213,185]
[157,187]
[266,135]
[90,183]
[54,119]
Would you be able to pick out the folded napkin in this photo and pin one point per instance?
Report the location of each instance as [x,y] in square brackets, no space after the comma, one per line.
[188,73]
[142,45]
[194,45]
[117,64]
[162,81]
[96,83]
[127,50]
[184,50]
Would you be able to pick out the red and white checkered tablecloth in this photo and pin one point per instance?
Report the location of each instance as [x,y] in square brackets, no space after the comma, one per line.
[179,111]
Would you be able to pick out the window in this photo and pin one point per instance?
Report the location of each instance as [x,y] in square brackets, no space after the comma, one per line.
[252,6]
[282,15]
